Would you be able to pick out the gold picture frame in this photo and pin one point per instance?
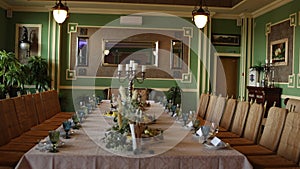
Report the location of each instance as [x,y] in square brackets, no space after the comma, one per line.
[279,52]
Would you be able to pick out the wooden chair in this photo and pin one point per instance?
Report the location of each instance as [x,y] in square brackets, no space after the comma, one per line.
[227,115]
[288,152]
[203,103]
[252,126]
[270,137]
[238,121]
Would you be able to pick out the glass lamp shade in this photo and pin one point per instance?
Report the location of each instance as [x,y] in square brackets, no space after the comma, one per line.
[25,45]
[200,18]
[60,12]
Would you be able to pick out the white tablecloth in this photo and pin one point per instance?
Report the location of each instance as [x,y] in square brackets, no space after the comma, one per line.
[179,149]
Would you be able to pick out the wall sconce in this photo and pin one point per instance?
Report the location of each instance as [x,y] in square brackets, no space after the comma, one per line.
[25,43]
[200,16]
[60,12]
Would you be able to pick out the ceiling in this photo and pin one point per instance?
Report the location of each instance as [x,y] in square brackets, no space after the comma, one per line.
[218,8]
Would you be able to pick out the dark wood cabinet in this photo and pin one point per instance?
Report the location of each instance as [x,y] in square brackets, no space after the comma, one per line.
[265,94]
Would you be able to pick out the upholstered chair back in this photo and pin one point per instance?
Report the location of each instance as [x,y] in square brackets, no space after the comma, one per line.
[273,128]
[26,120]
[228,113]
[203,103]
[253,121]
[289,145]
[4,134]
[40,109]
[293,105]
[10,116]
[240,117]
[217,113]
[210,107]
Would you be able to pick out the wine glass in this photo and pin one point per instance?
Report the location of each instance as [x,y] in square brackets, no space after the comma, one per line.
[214,128]
[54,138]
[185,117]
[67,127]
[205,131]
[80,115]
[76,121]
[173,108]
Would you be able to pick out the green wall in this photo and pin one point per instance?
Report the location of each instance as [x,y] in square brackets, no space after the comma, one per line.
[259,52]
[156,22]
[70,88]
[26,18]
[3,29]
[226,26]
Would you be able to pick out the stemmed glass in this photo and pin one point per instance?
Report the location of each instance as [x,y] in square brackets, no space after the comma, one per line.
[205,131]
[67,127]
[185,117]
[80,115]
[76,121]
[214,128]
[54,138]
[173,108]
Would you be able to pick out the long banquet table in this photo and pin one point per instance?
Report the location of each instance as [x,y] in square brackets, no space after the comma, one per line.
[179,149]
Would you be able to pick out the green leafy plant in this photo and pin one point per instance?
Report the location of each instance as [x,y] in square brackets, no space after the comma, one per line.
[258,67]
[12,73]
[174,94]
[39,77]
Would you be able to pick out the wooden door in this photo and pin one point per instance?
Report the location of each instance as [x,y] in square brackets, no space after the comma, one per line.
[227,76]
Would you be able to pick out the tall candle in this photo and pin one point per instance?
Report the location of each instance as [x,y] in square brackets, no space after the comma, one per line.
[120,68]
[127,67]
[134,145]
[267,61]
[143,68]
[134,67]
[131,63]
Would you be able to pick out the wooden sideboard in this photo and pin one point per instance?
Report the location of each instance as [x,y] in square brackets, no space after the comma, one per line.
[265,94]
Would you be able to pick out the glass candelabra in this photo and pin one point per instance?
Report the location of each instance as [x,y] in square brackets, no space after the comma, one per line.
[269,74]
[131,75]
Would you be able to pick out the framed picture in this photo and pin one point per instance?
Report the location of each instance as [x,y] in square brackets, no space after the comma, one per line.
[226,40]
[31,33]
[176,54]
[82,51]
[279,52]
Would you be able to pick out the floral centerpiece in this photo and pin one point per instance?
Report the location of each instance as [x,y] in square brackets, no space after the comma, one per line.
[130,114]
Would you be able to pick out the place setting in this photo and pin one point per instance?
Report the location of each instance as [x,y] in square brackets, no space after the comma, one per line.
[206,135]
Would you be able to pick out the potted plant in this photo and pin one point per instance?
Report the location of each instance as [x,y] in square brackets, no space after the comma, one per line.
[12,74]
[39,76]
[174,94]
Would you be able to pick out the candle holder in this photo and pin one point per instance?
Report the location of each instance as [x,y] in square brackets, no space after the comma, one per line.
[131,75]
[269,74]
